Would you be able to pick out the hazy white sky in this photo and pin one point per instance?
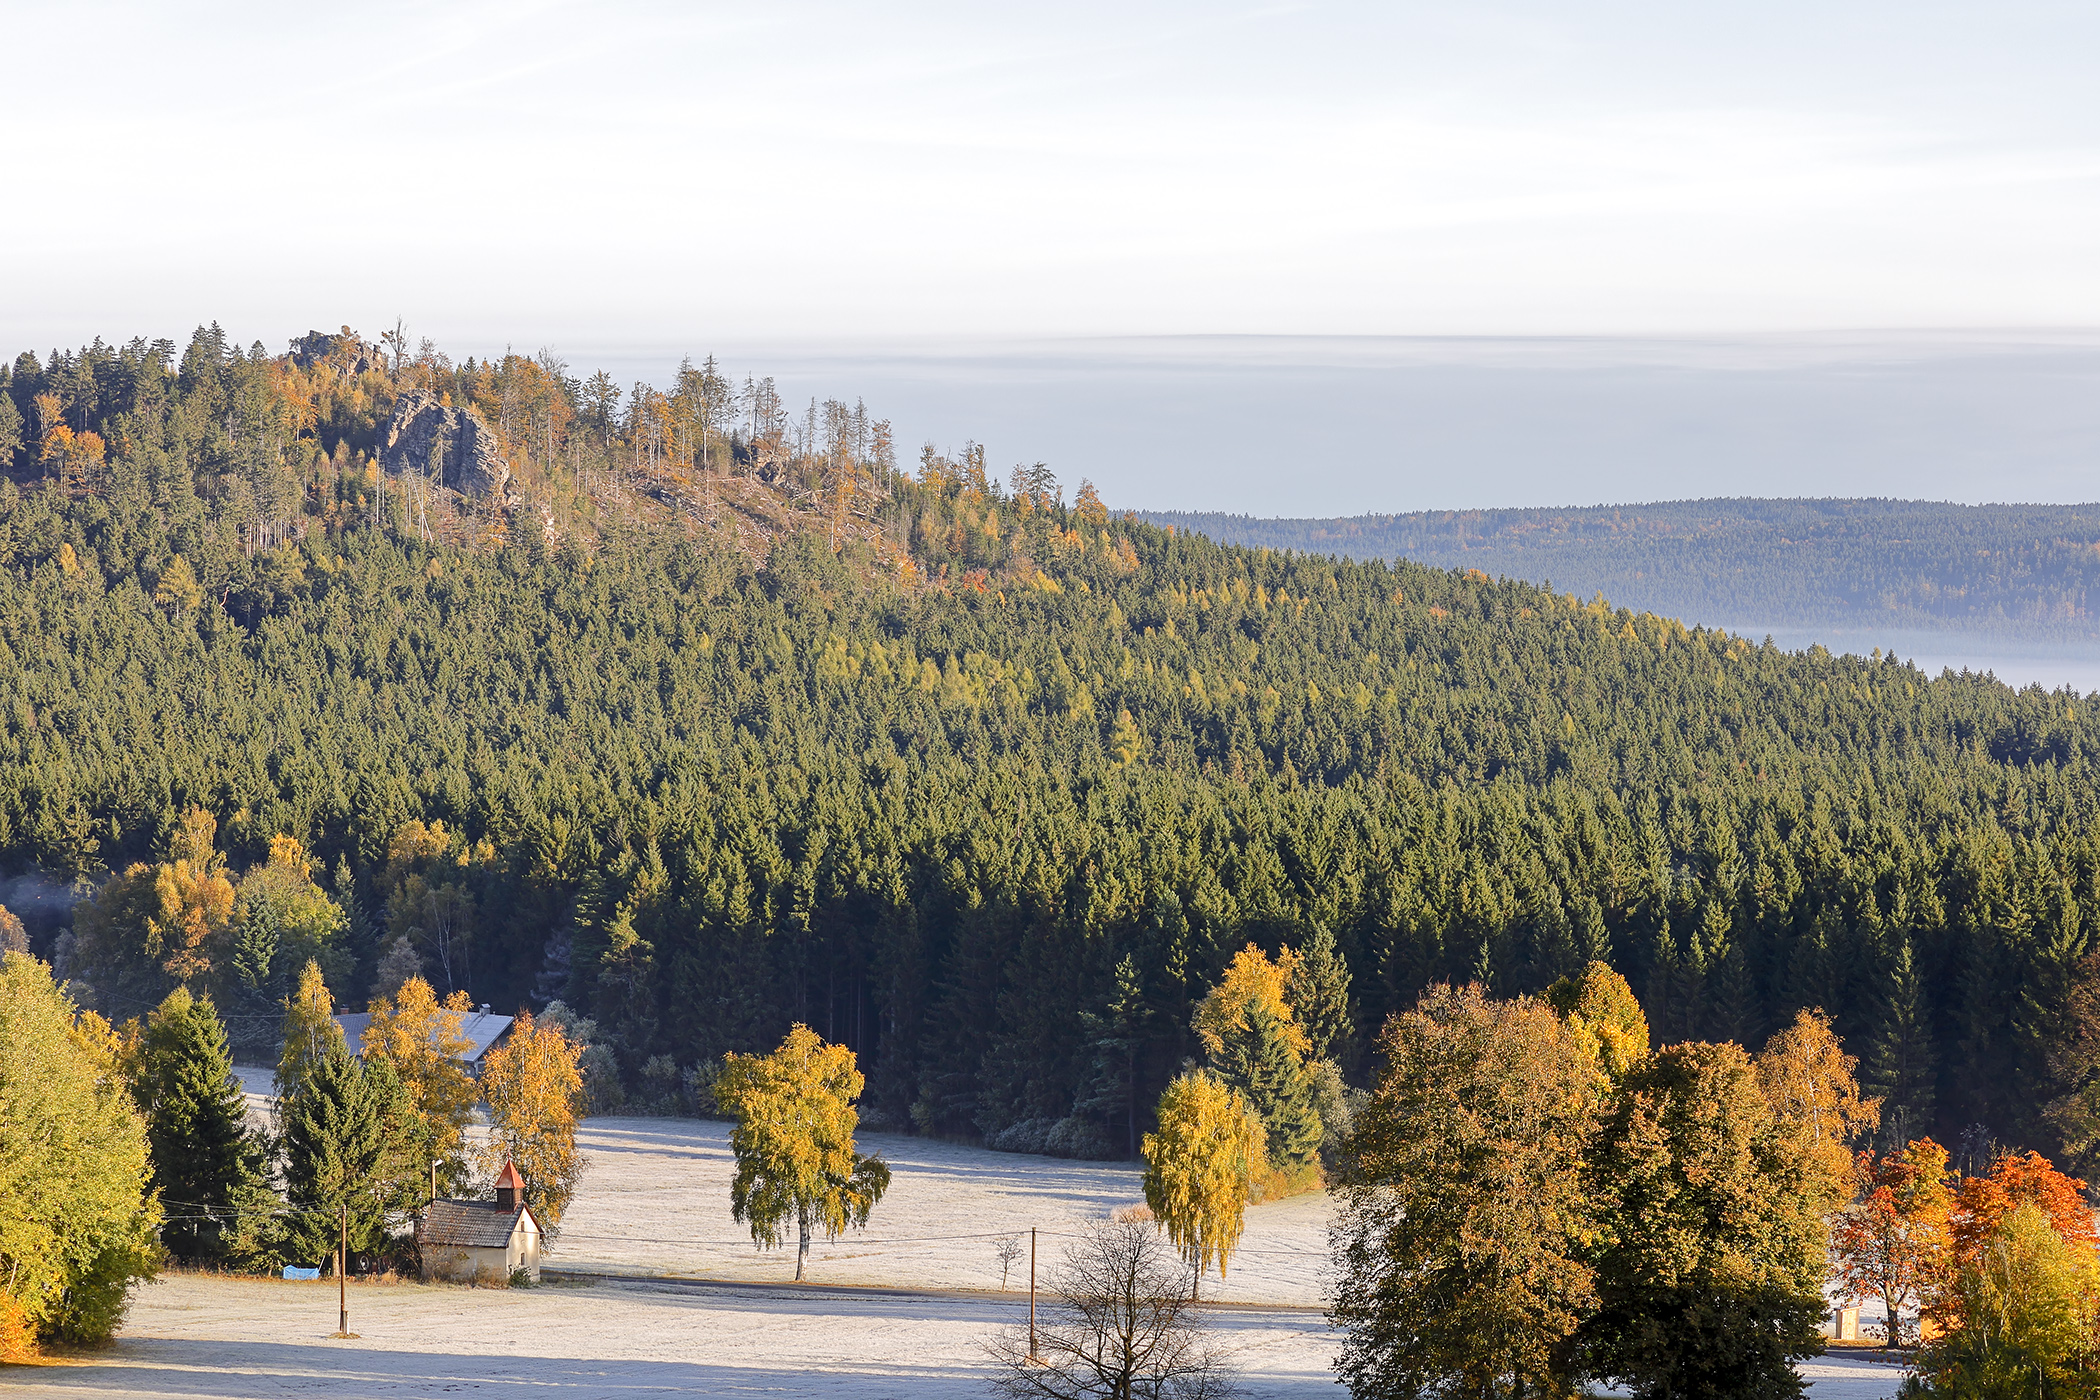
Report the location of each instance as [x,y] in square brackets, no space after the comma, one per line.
[546,173]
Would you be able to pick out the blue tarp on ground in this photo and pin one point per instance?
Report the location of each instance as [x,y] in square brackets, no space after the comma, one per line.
[292,1272]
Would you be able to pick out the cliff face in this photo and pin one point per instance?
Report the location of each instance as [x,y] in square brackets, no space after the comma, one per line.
[451,444]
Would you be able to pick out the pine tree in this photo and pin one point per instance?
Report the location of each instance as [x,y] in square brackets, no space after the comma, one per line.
[1258,1062]
[332,1141]
[205,1161]
[360,930]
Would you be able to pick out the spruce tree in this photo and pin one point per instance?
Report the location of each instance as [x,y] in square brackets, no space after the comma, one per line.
[400,1177]
[206,1163]
[1258,1063]
[1898,1064]
[1115,1035]
[1319,995]
[332,1141]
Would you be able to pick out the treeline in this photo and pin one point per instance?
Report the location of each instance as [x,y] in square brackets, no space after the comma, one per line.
[985,785]
[2004,572]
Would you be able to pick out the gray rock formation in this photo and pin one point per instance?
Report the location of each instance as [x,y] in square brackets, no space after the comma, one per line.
[451,444]
[349,352]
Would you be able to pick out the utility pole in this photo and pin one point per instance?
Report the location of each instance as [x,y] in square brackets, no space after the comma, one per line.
[1031,1294]
[342,1270]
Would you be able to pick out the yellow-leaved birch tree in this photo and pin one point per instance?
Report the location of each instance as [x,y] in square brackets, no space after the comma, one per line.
[1201,1167]
[421,1037]
[795,1156]
[534,1091]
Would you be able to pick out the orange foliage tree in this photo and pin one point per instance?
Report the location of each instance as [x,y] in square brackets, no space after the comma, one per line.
[1983,1203]
[1892,1243]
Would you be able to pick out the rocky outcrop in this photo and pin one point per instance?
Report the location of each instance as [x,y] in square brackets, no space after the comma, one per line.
[431,439]
[348,352]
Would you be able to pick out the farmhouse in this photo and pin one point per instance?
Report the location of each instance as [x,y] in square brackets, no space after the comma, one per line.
[482,1241]
[482,1030]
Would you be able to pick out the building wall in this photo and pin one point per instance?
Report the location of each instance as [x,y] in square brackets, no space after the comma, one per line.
[524,1252]
[459,1264]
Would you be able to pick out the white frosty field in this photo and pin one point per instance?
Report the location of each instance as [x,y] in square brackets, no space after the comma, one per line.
[685,1317]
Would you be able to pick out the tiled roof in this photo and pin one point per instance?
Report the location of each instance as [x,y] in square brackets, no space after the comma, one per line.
[470,1224]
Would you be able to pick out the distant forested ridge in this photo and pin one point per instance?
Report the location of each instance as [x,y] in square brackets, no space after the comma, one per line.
[713,719]
[2008,572]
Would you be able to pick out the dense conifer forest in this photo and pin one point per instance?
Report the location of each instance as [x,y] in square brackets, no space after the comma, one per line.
[716,720]
[2028,573]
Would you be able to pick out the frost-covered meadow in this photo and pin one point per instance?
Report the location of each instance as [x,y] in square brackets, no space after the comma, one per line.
[686,1318]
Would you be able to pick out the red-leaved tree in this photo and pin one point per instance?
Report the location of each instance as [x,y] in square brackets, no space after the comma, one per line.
[1893,1243]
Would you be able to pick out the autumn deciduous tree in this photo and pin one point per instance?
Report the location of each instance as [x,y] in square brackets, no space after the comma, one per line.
[1251,980]
[164,922]
[2027,1301]
[429,898]
[1604,1015]
[421,1038]
[1892,1243]
[1982,1202]
[796,1161]
[77,1225]
[74,459]
[1201,1167]
[1808,1079]
[1710,1275]
[1465,1224]
[310,1032]
[534,1092]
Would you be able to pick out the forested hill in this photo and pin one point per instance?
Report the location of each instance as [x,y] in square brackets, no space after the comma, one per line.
[2004,572]
[714,720]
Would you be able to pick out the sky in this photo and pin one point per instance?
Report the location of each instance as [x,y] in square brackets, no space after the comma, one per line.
[956,204]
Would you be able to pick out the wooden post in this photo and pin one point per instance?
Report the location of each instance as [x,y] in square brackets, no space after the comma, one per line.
[1031,1293]
[342,1269]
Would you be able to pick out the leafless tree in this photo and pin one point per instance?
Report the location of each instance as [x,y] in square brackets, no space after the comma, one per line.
[1123,1327]
[1008,1249]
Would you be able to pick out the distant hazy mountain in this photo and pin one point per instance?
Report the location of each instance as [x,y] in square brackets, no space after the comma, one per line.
[2008,572]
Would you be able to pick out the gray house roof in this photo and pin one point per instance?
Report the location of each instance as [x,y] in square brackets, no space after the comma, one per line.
[480,1028]
[472,1224]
